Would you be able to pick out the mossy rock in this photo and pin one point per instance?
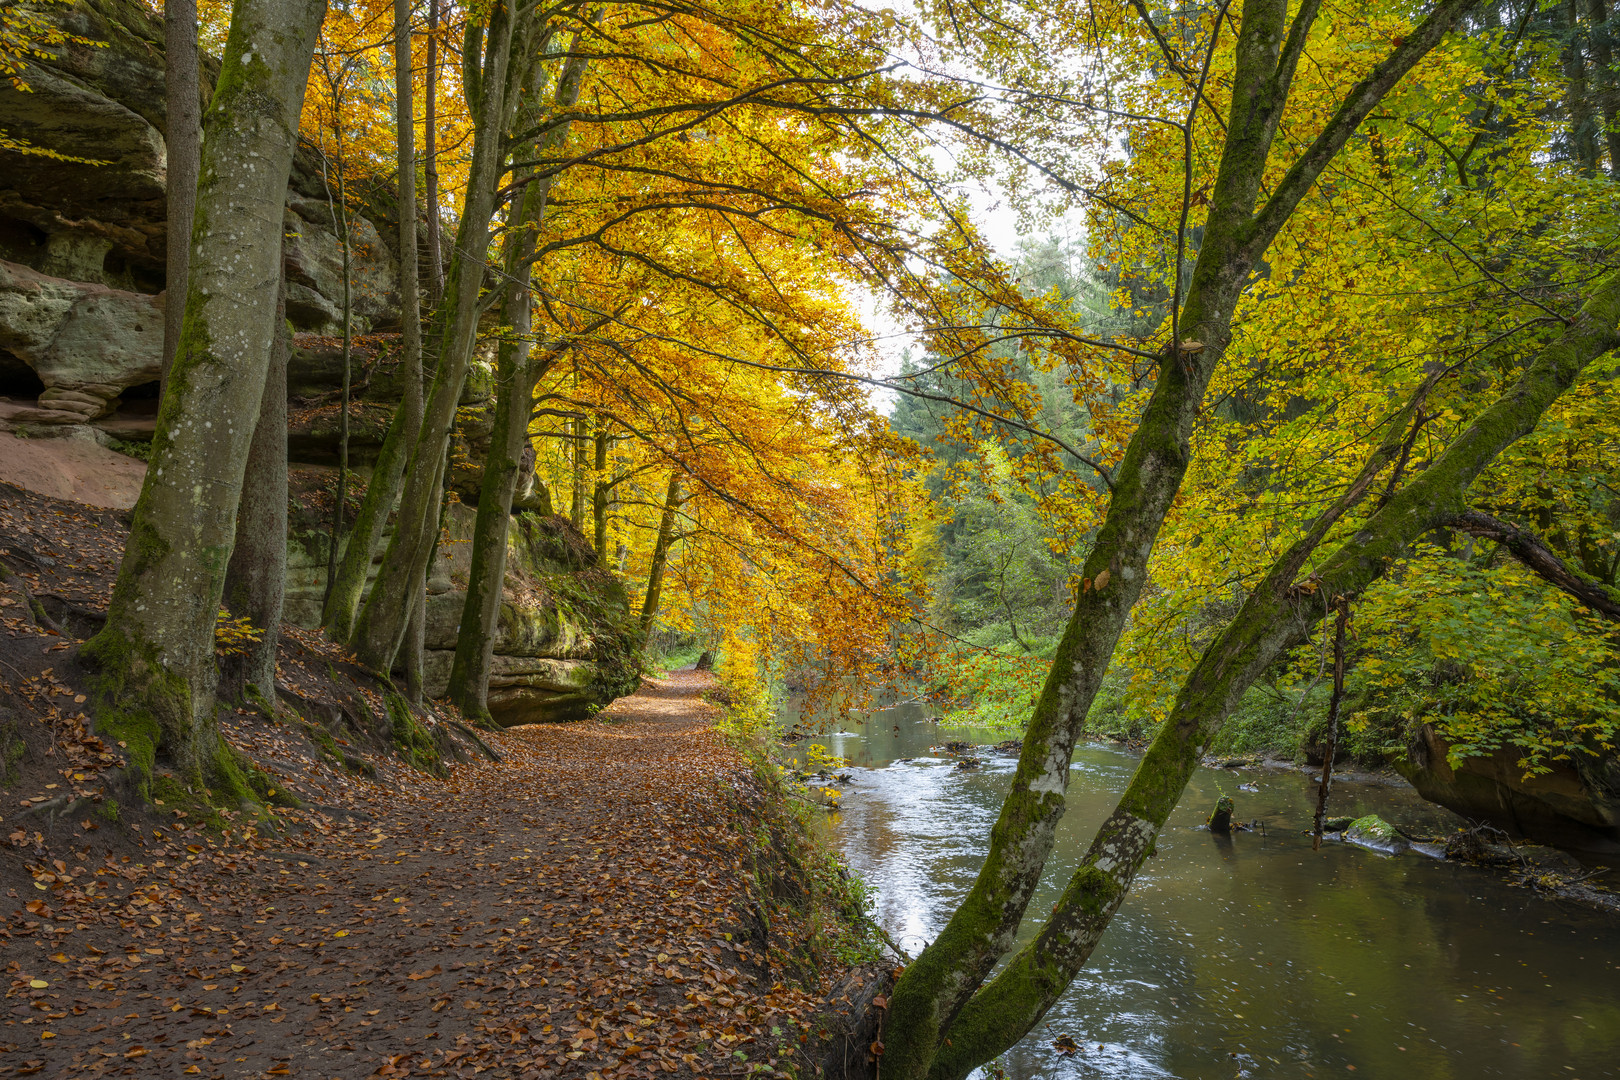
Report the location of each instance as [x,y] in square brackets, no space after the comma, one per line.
[1375,834]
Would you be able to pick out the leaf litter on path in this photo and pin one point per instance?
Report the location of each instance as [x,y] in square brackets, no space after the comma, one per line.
[570,911]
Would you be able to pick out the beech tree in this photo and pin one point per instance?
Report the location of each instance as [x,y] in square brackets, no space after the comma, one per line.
[155,655]
[518,366]
[947,1015]
[497,58]
[929,1001]
[182,139]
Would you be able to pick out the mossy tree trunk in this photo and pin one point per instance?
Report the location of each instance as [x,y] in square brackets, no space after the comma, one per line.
[256,579]
[157,668]
[490,78]
[576,505]
[430,156]
[660,555]
[1278,616]
[340,222]
[600,493]
[518,368]
[182,138]
[410,307]
[938,985]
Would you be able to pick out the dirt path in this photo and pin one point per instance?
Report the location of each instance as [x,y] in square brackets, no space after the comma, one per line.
[566,912]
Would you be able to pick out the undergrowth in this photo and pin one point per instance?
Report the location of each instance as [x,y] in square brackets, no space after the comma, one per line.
[813,914]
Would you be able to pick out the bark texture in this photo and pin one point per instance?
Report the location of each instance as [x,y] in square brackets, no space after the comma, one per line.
[660,555]
[518,369]
[156,654]
[600,493]
[410,308]
[490,80]
[182,139]
[256,580]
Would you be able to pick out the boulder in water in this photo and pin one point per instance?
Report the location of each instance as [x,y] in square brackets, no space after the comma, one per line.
[1375,834]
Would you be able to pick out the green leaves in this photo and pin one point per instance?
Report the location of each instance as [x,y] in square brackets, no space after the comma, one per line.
[1491,656]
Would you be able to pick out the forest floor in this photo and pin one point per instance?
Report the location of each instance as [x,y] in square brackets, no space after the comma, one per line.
[602,902]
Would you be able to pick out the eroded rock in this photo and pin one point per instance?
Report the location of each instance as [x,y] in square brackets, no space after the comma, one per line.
[1574,805]
[565,642]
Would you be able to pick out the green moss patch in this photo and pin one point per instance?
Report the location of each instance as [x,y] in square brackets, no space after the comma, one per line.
[413,741]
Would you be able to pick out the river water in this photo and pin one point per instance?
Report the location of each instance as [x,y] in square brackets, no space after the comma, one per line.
[1249,956]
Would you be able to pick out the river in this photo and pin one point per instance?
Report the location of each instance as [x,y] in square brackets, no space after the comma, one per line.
[1250,956]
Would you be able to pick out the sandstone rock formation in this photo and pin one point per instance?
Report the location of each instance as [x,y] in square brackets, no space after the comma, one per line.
[86,343]
[81,330]
[82,243]
[1576,805]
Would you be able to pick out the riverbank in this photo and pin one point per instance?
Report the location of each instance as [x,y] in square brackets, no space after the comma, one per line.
[1245,954]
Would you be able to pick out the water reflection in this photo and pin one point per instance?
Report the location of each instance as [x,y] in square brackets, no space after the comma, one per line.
[1250,956]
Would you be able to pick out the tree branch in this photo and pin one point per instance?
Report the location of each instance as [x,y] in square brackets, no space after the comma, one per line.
[1534,553]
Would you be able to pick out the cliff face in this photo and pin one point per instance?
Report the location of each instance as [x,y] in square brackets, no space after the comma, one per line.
[81,333]
[82,244]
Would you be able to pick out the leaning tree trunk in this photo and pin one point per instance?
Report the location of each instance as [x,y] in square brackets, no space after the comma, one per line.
[182,137]
[380,630]
[660,555]
[515,379]
[410,361]
[1276,617]
[939,983]
[256,580]
[517,372]
[157,669]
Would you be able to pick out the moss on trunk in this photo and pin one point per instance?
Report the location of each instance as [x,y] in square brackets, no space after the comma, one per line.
[155,657]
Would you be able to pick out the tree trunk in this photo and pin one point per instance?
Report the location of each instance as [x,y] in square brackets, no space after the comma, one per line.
[415,641]
[380,630]
[660,555]
[1577,97]
[939,983]
[182,138]
[412,661]
[1276,617]
[344,591]
[576,504]
[183,148]
[599,496]
[256,579]
[410,306]
[430,162]
[518,369]
[1608,82]
[157,668]
[475,643]
[340,222]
